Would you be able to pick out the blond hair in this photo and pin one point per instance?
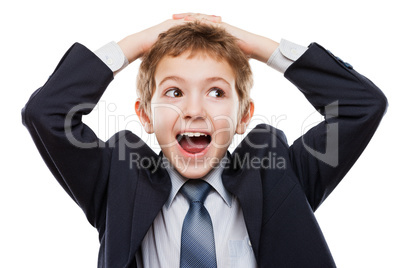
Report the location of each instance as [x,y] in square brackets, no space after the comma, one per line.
[195,37]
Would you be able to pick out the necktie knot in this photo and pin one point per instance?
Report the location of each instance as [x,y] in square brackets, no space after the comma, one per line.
[196,190]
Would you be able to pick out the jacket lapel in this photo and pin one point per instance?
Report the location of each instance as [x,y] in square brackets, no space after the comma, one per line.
[152,191]
[245,183]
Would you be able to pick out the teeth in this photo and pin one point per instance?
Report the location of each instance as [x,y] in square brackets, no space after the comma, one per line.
[193,134]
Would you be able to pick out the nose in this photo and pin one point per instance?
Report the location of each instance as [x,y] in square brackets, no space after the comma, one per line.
[194,108]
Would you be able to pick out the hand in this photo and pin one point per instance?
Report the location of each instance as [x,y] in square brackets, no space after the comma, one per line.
[136,45]
[197,16]
[254,46]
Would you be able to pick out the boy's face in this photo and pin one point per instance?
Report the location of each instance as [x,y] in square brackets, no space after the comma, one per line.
[194,112]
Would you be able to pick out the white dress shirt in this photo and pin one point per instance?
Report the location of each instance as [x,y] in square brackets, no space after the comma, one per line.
[161,245]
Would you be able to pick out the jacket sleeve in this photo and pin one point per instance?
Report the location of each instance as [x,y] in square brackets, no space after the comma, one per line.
[352,107]
[71,150]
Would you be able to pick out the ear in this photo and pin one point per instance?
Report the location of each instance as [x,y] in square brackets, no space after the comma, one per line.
[245,120]
[144,118]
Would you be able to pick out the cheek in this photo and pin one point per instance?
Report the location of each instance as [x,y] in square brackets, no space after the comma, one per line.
[225,122]
[225,113]
[164,118]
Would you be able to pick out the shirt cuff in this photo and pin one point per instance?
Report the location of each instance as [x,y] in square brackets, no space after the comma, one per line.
[285,55]
[112,55]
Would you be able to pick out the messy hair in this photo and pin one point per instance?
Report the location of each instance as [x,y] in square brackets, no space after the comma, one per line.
[195,37]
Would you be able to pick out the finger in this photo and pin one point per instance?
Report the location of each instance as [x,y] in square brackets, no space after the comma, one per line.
[203,18]
[211,18]
[190,18]
[181,15]
[217,19]
[197,16]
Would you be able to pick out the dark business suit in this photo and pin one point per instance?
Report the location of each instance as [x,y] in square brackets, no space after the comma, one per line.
[121,199]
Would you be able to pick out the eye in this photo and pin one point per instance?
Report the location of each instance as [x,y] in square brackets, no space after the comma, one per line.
[174,93]
[216,92]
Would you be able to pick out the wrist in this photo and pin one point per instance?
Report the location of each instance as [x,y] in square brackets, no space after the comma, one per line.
[131,47]
[263,48]
[255,46]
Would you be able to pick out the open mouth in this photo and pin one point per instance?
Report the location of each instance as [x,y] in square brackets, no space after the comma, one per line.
[193,142]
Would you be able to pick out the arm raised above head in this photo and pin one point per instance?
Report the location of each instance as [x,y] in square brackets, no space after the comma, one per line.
[71,150]
[352,107]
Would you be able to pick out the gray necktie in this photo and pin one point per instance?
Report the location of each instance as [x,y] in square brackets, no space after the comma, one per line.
[197,237]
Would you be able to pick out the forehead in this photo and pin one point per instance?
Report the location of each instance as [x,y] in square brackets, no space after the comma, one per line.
[194,66]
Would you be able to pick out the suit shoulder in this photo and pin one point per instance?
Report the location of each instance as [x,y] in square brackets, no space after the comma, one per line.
[261,139]
[270,130]
[130,142]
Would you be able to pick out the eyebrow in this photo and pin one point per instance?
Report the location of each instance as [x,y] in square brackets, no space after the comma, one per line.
[214,79]
[179,79]
[175,78]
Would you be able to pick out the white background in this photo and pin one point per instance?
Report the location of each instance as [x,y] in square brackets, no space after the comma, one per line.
[41,227]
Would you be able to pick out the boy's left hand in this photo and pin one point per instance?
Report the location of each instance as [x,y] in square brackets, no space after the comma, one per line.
[254,46]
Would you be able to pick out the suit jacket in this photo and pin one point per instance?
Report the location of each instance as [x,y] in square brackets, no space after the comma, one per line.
[121,198]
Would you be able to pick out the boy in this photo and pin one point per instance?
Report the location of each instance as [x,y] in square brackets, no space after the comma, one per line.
[193,87]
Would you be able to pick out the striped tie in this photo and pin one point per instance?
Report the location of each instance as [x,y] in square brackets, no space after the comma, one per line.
[197,237]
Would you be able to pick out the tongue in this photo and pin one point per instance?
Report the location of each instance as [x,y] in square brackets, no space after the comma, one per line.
[194,144]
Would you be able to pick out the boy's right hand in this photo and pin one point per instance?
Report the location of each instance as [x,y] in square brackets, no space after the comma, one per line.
[136,45]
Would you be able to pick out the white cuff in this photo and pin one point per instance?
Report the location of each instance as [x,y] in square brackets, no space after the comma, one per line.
[285,55]
[112,55]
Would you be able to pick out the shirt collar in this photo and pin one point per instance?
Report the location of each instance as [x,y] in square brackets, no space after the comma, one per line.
[214,178]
